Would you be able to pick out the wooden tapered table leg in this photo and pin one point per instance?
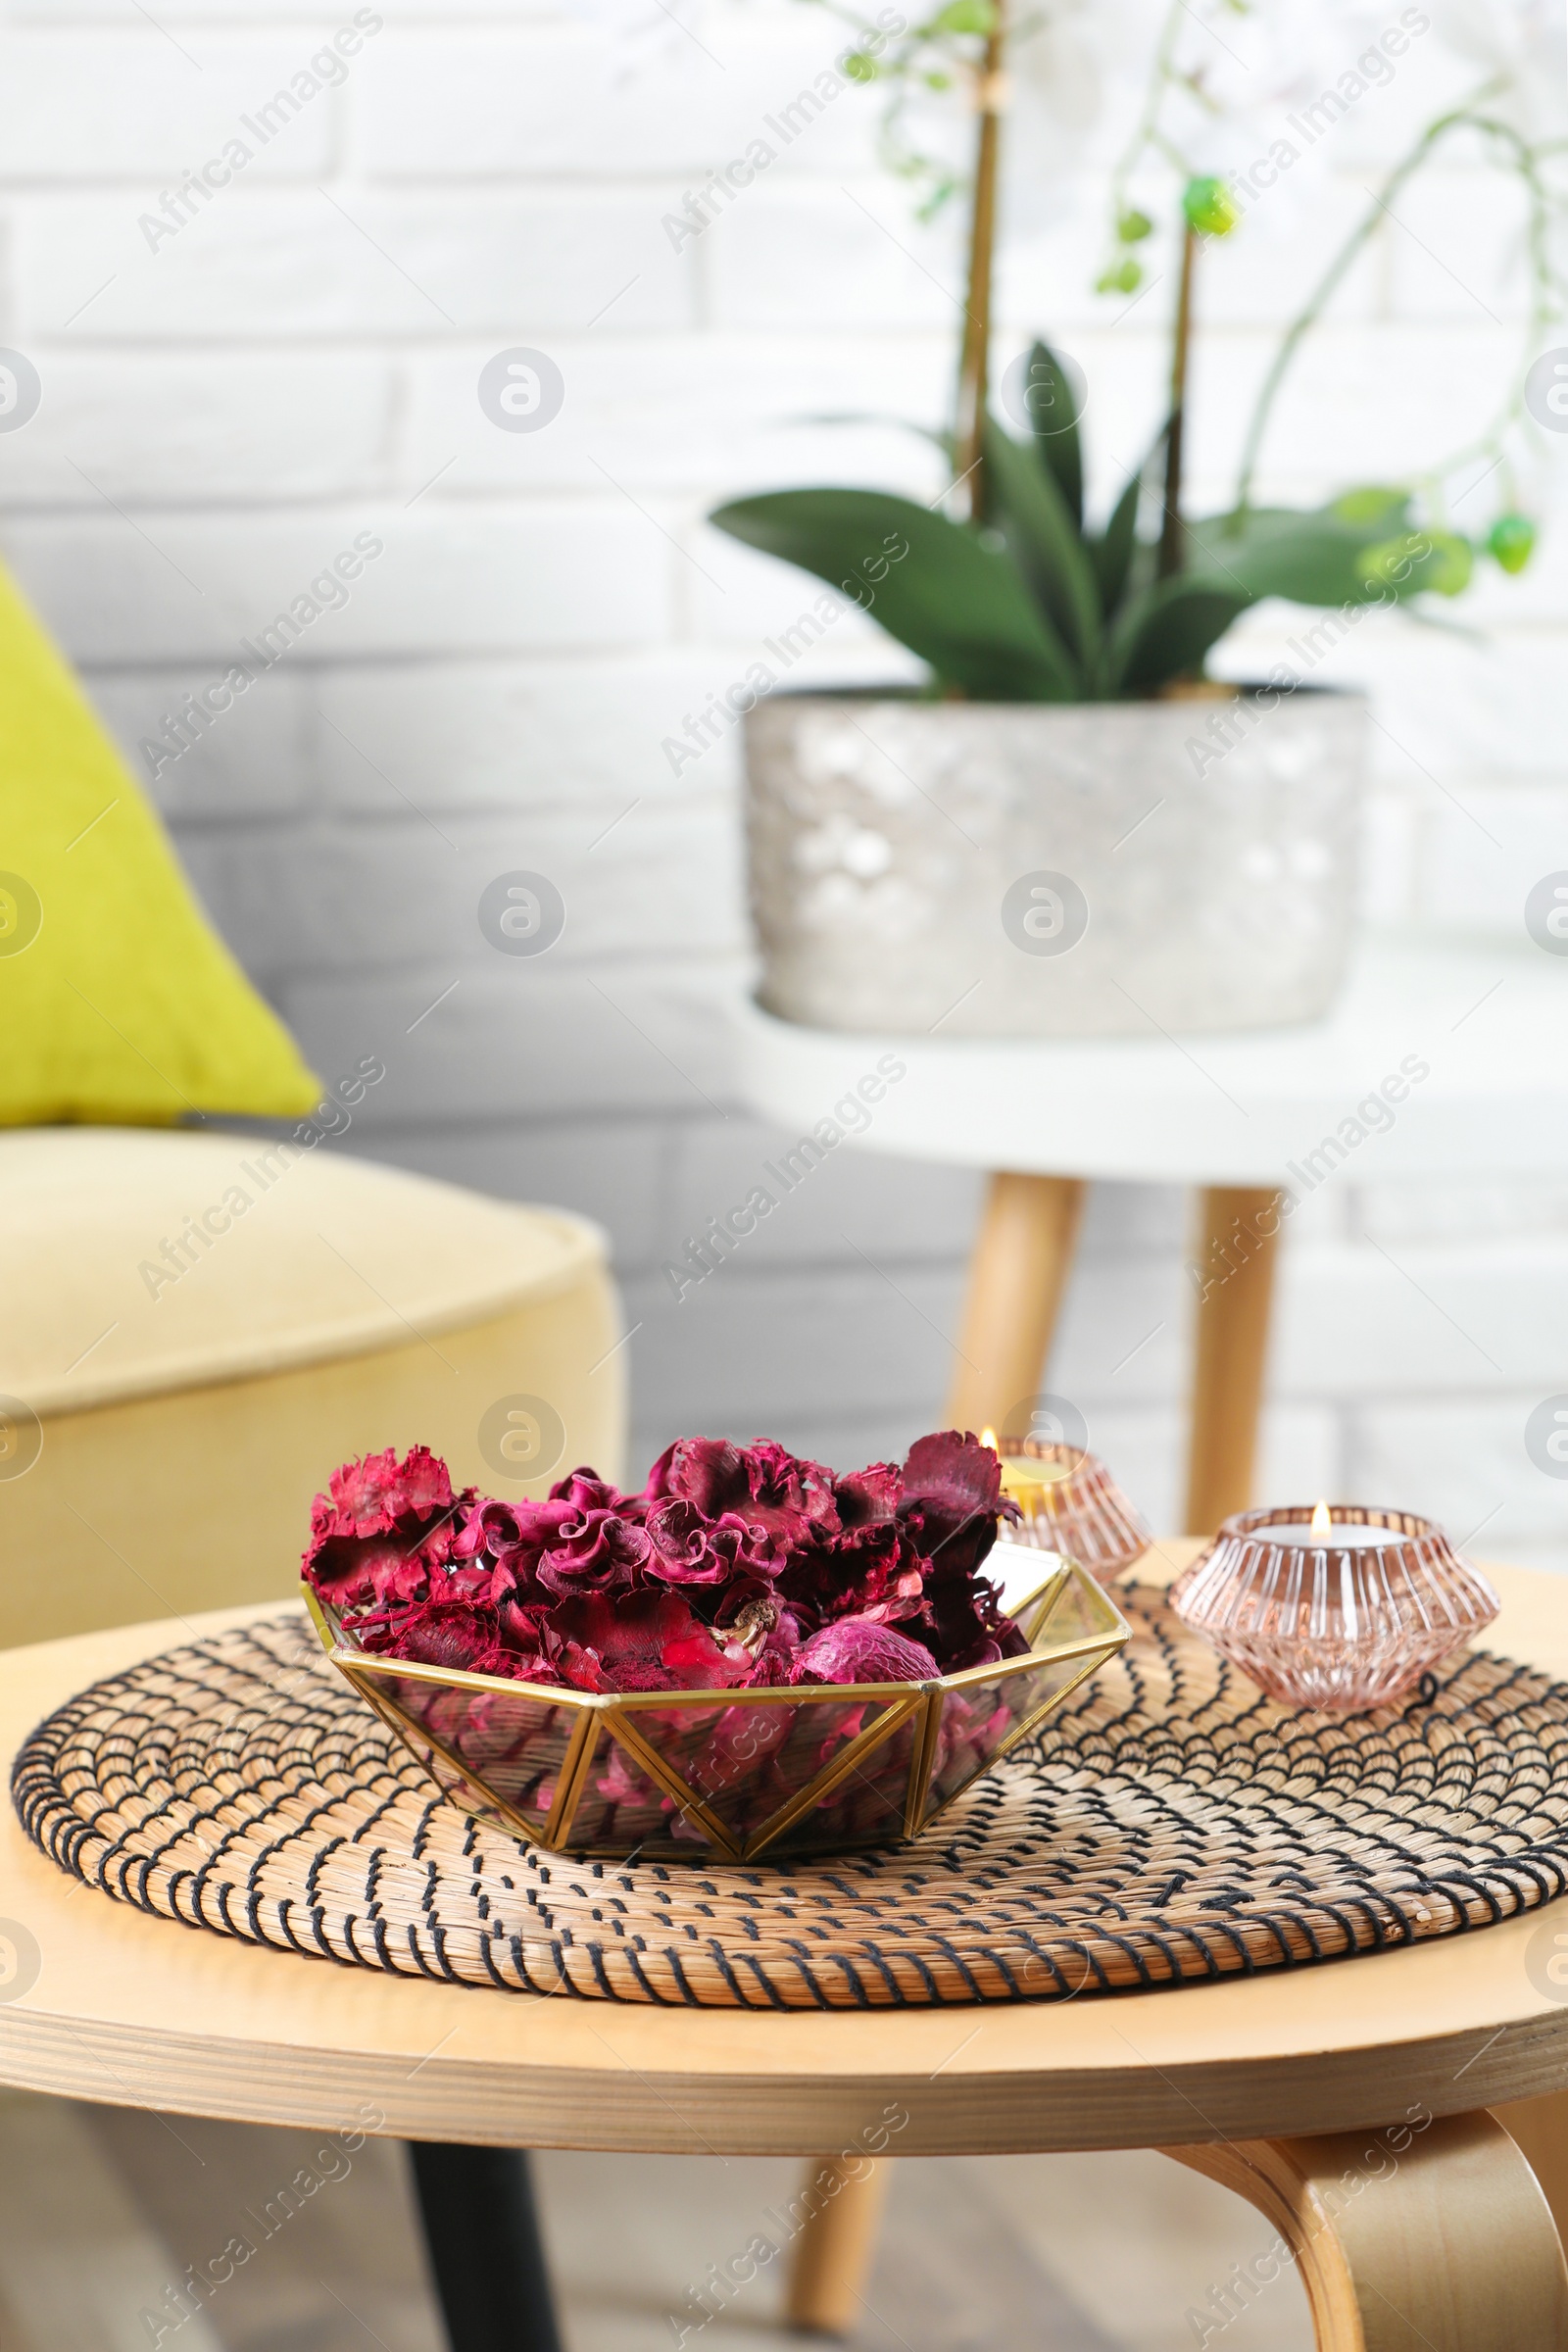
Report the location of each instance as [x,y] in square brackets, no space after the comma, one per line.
[1022,1258]
[837,2244]
[1235,1257]
[1445,2243]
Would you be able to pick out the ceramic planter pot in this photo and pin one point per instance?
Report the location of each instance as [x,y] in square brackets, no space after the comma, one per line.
[990,869]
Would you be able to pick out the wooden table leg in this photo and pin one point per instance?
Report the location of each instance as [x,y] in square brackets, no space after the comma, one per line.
[1022,1258]
[1236,1271]
[486,2254]
[1540,2128]
[837,2244]
[1444,2244]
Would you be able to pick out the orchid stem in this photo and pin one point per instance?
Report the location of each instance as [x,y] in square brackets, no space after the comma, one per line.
[1171,535]
[975,356]
[1312,309]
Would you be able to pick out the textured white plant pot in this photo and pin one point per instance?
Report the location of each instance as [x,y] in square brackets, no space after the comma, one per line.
[1003,870]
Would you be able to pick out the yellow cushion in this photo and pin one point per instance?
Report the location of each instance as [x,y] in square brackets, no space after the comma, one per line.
[117,1001]
[161,1439]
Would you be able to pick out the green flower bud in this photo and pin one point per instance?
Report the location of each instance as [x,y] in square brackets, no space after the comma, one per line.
[1451,564]
[1123,278]
[1387,562]
[963,16]
[1435,560]
[1133,226]
[1365,507]
[1209,207]
[1511,540]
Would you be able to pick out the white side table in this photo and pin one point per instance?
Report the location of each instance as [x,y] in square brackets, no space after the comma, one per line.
[1457,1051]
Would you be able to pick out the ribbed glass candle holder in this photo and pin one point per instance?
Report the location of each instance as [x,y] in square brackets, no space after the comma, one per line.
[1072,1505]
[1339,1618]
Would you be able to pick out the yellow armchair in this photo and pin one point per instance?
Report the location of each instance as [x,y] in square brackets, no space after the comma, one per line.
[196,1328]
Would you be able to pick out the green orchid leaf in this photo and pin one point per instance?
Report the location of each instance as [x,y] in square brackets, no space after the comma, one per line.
[1052,406]
[937,587]
[1044,542]
[1111,554]
[1166,631]
[1419,560]
[1362,549]
[1312,557]
[1372,507]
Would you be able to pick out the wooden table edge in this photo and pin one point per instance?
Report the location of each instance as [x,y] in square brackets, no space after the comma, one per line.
[686,2111]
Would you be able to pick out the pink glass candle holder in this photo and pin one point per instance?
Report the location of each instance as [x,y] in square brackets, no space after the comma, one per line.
[1335,1608]
[1072,1505]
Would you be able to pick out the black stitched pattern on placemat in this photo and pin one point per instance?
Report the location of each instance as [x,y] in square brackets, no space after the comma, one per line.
[1169,1825]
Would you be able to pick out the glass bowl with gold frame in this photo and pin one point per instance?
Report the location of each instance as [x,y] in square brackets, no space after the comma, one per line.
[815,1768]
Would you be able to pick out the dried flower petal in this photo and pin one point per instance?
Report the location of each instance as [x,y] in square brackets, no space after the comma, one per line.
[387,1526]
[454,1634]
[853,1650]
[768,1491]
[682,1550]
[952,1500]
[646,1640]
[596,1553]
[371,1495]
[867,1496]
[736,1565]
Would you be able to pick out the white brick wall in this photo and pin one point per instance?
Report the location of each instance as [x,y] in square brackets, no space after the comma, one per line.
[222,413]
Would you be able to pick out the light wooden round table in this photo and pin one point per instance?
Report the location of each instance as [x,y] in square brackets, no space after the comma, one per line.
[1356,2104]
[1454,1052]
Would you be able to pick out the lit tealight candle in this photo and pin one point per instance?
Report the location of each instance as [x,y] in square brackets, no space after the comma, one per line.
[1338,1534]
[1026,1475]
[1341,1609]
[1069,1503]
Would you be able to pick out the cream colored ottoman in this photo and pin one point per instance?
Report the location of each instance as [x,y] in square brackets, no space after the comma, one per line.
[195,1329]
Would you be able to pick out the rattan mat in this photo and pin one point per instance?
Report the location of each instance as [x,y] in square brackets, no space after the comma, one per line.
[1169,1825]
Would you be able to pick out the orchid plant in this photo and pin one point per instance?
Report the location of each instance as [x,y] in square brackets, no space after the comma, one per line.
[1016,597]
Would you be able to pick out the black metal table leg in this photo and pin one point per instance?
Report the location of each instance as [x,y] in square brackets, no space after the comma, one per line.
[487,2253]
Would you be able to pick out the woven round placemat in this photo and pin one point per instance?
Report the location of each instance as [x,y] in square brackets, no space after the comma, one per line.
[1169,1824]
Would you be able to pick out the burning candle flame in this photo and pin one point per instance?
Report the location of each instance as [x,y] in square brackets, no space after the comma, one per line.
[988,1437]
[1322,1522]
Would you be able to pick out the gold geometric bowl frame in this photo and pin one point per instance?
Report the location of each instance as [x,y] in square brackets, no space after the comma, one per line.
[1067,1593]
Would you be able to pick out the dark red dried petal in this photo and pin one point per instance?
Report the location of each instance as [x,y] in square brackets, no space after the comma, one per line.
[853,1650]
[596,1552]
[772,1492]
[709,1472]
[454,1634]
[372,1495]
[953,1473]
[645,1640]
[681,1547]
[584,1490]
[356,1571]
[867,1496]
